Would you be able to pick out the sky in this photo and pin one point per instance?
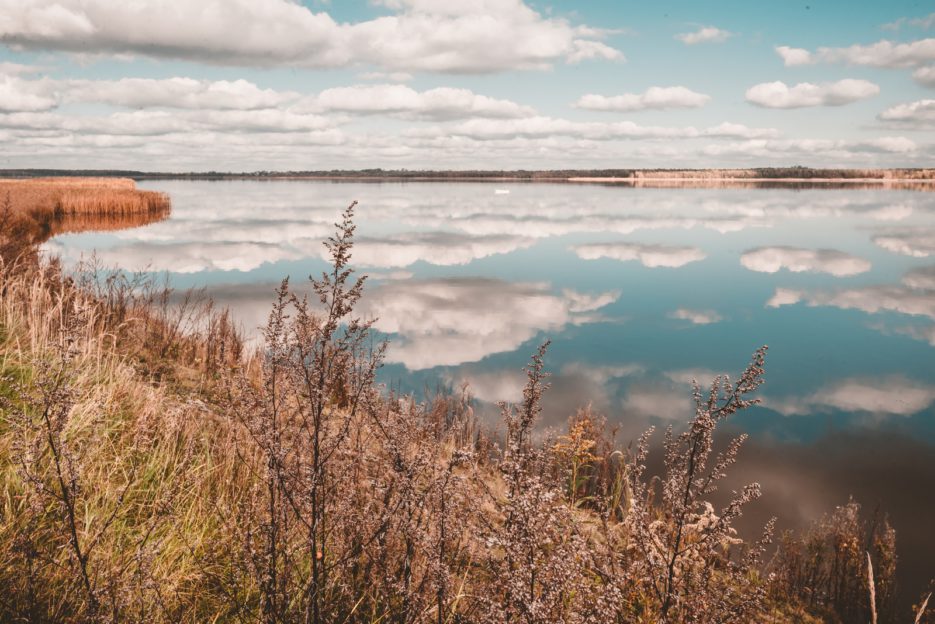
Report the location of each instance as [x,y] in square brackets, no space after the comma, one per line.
[251,85]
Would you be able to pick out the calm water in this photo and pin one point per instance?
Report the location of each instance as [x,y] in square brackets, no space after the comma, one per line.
[639,289]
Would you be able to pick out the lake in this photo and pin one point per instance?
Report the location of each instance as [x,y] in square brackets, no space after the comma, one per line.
[639,289]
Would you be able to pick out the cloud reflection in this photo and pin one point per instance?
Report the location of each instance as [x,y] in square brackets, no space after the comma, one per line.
[444,322]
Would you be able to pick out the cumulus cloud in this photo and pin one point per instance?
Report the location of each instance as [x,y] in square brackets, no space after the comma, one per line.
[913,114]
[705,34]
[696,317]
[387,76]
[829,148]
[883,53]
[446,322]
[925,76]
[779,95]
[441,103]
[895,395]
[541,126]
[18,95]
[794,56]
[174,93]
[652,98]
[419,35]
[651,256]
[798,260]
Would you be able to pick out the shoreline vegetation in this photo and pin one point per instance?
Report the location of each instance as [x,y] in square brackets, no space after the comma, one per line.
[35,209]
[154,469]
[618,176]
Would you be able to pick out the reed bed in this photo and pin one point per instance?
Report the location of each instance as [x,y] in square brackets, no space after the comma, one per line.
[51,198]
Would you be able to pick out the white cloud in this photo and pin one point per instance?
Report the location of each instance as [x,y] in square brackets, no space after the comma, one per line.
[440,103]
[652,98]
[452,321]
[540,126]
[798,260]
[919,22]
[487,36]
[17,95]
[175,93]
[387,76]
[925,76]
[705,34]
[895,395]
[913,114]
[18,69]
[779,95]
[651,256]
[794,56]
[828,148]
[696,317]
[883,53]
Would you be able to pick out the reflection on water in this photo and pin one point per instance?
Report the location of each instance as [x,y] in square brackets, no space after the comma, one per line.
[73,223]
[640,289]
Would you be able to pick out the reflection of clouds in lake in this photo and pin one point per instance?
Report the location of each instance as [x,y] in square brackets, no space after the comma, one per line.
[684,377]
[784,296]
[922,278]
[869,299]
[545,226]
[648,255]
[914,297]
[917,242]
[696,317]
[894,395]
[574,385]
[797,260]
[280,231]
[450,321]
[438,248]
[651,400]
[183,257]
[801,482]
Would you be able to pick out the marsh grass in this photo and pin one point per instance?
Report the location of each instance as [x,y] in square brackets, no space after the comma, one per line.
[31,210]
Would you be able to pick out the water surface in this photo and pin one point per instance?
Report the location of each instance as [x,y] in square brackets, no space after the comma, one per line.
[640,290]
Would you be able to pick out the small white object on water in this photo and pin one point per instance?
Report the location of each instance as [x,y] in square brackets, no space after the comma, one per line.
[501,192]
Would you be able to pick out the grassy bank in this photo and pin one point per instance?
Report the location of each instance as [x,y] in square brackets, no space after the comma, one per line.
[153,470]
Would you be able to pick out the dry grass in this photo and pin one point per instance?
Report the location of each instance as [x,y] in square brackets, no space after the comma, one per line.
[80,196]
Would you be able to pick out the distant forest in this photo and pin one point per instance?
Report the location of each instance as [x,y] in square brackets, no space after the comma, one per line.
[769,173]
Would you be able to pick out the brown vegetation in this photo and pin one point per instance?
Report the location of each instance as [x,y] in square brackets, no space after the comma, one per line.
[153,470]
[33,209]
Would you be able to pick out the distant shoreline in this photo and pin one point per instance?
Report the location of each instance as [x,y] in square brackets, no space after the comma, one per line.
[761,175]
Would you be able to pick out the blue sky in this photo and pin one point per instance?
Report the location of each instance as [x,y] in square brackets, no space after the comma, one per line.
[274,84]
